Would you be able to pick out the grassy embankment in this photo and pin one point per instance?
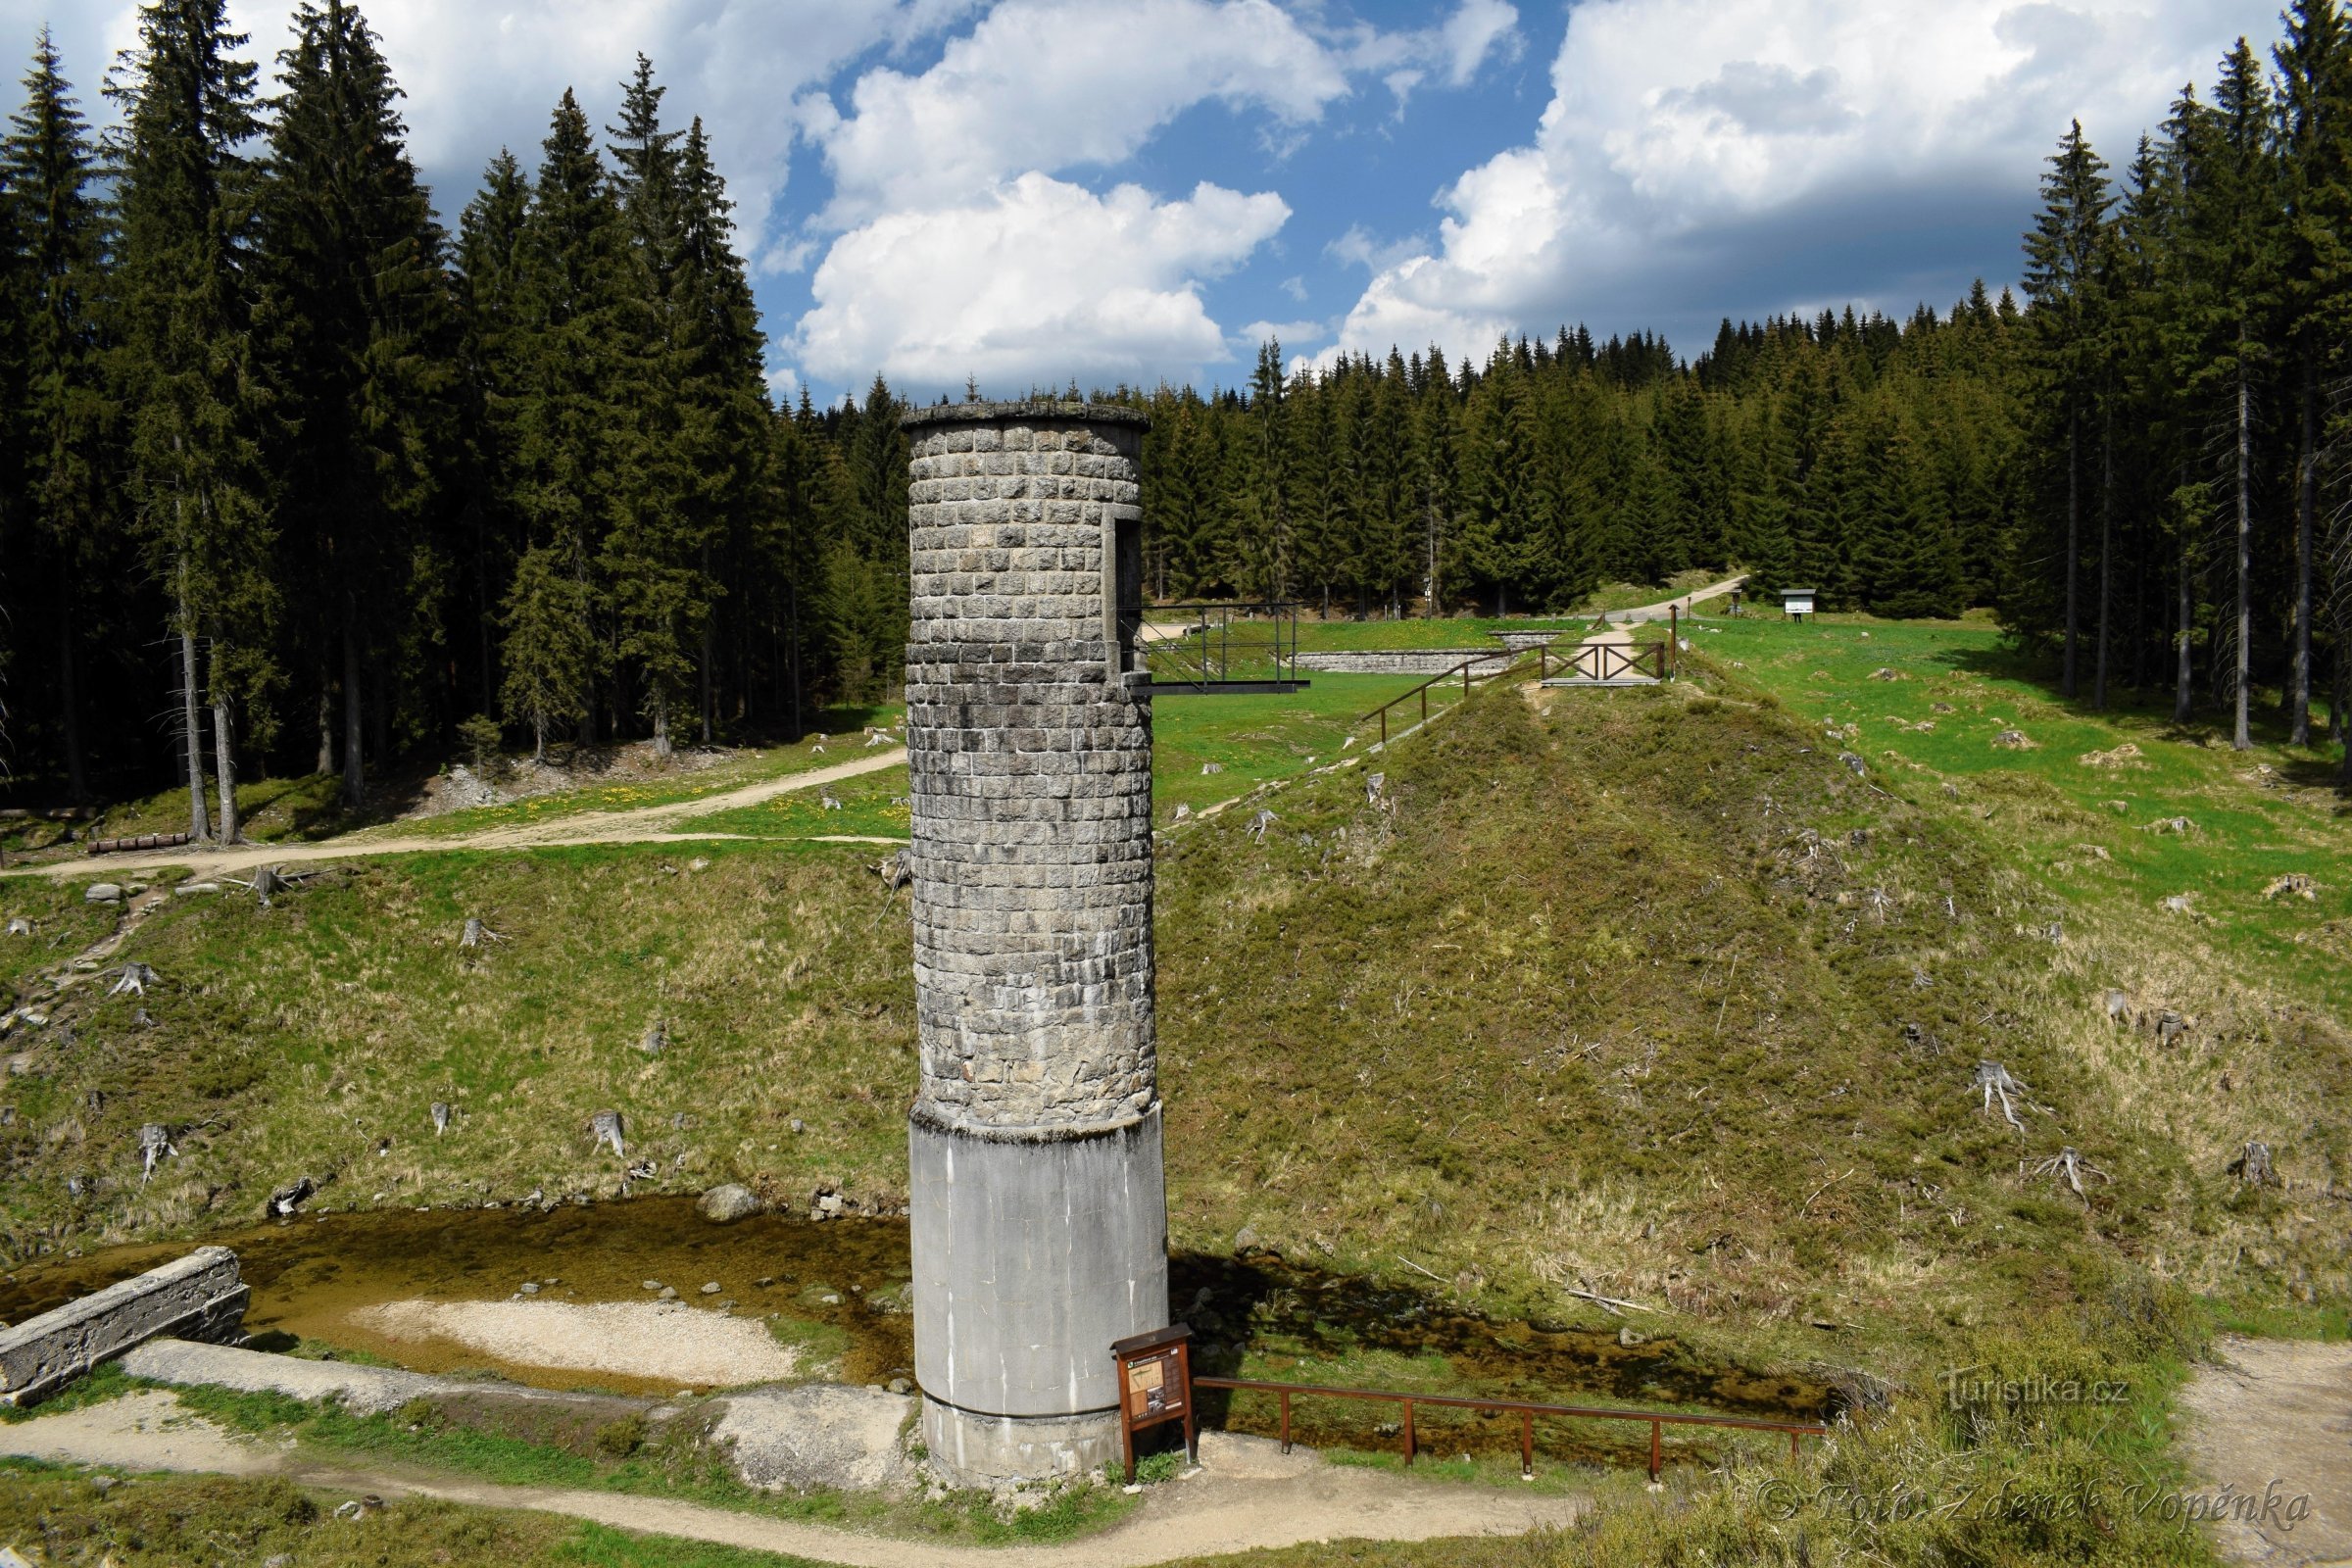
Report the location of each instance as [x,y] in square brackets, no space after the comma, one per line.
[1644,993]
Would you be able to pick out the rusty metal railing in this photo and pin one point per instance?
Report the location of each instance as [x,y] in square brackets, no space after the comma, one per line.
[1527,1411]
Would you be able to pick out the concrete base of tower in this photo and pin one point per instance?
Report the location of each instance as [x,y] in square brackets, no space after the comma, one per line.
[1033,1248]
[981,1451]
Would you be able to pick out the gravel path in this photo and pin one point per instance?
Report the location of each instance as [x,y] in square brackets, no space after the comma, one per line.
[2276,1413]
[648,824]
[1247,1496]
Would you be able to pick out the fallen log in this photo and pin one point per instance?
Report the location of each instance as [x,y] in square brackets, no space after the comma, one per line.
[143,840]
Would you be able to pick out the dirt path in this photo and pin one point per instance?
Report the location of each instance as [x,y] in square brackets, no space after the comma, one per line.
[646,825]
[2274,1417]
[1246,1495]
[1684,604]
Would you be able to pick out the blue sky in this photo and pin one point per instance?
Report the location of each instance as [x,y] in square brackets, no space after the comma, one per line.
[1034,191]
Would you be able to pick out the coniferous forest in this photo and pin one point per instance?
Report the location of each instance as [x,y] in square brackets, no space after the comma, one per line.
[295,479]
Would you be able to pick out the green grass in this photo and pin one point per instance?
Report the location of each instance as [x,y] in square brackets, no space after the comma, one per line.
[844,729]
[1638,992]
[65,1515]
[1254,740]
[519,1445]
[871,807]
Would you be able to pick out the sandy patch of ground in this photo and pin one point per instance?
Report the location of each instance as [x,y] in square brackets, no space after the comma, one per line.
[659,1339]
[144,1431]
[2276,1415]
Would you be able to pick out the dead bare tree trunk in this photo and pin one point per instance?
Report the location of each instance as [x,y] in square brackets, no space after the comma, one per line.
[224,750]
[2241,737]
[2073,548]
[77,782]
[2098,679]
[2184,677]
[2307,506]
[662,749]
[355,749]
[326,722]
[200,829]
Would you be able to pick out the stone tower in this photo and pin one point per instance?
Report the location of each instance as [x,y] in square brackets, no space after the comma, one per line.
[1038,1209]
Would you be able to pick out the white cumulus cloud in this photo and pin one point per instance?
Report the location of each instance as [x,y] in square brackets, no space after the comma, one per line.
[1698,136]
[1036,279]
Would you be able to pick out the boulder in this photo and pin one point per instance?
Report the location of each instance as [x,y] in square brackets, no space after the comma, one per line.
[818,1434]
[103,893]
[731,1201]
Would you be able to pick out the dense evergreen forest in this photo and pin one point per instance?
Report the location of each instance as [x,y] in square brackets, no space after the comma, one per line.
[293,480]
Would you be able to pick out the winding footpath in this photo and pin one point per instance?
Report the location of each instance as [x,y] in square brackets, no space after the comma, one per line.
[645,824]
[1246,1495]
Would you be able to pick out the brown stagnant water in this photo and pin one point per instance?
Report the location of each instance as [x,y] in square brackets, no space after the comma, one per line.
[311,1274]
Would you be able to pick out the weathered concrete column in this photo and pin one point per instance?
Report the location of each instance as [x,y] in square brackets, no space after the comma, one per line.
[1038,1209]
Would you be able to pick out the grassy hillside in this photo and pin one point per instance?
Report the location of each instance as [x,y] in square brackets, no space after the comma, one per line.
[1672,995]
[1642,993]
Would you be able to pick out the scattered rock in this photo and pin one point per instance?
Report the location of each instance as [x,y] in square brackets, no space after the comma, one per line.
[2126,755]
[1212,767]
[667,1293]
[727,1203]
[900,1386]
[2015,740]
[651,1285]
[2178,903]
[527,1288]
[1883,674]
[2172,825]
[2170,1026]
[656,1039]
[798,1125]
[710,1287]
[2295,884]
[1182,812]
[1853,764]
[101,892]
[286,1200]
[816,1435]
[18,926]
[1245,1239]
[440,1115]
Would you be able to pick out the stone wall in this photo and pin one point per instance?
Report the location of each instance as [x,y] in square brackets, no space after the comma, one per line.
[1408,661]
[1031,770]
[199,1296]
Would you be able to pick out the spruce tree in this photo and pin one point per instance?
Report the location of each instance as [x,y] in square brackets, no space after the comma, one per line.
[569,433]
[185,195]
[2061,253]
[491,312]
[2315,70]
[361,344]
[2233,253]
[63,419]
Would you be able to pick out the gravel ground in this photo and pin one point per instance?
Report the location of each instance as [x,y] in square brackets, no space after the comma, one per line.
[664,1340]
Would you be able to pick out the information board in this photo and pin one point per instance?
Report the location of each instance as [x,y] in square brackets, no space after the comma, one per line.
[1155,1385]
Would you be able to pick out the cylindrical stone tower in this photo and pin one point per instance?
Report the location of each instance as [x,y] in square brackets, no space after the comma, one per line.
[1039,1209]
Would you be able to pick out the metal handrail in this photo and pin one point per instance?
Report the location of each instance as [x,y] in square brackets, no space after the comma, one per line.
[1527,1409]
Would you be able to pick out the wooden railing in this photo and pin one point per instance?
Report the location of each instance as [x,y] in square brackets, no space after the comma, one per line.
[1527,1411]
[1467,669]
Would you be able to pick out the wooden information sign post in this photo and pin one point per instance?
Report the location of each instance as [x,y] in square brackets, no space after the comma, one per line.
[1155,1387]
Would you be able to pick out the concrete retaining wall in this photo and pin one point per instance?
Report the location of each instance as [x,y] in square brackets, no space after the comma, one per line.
[199,1296]
[1408,661]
